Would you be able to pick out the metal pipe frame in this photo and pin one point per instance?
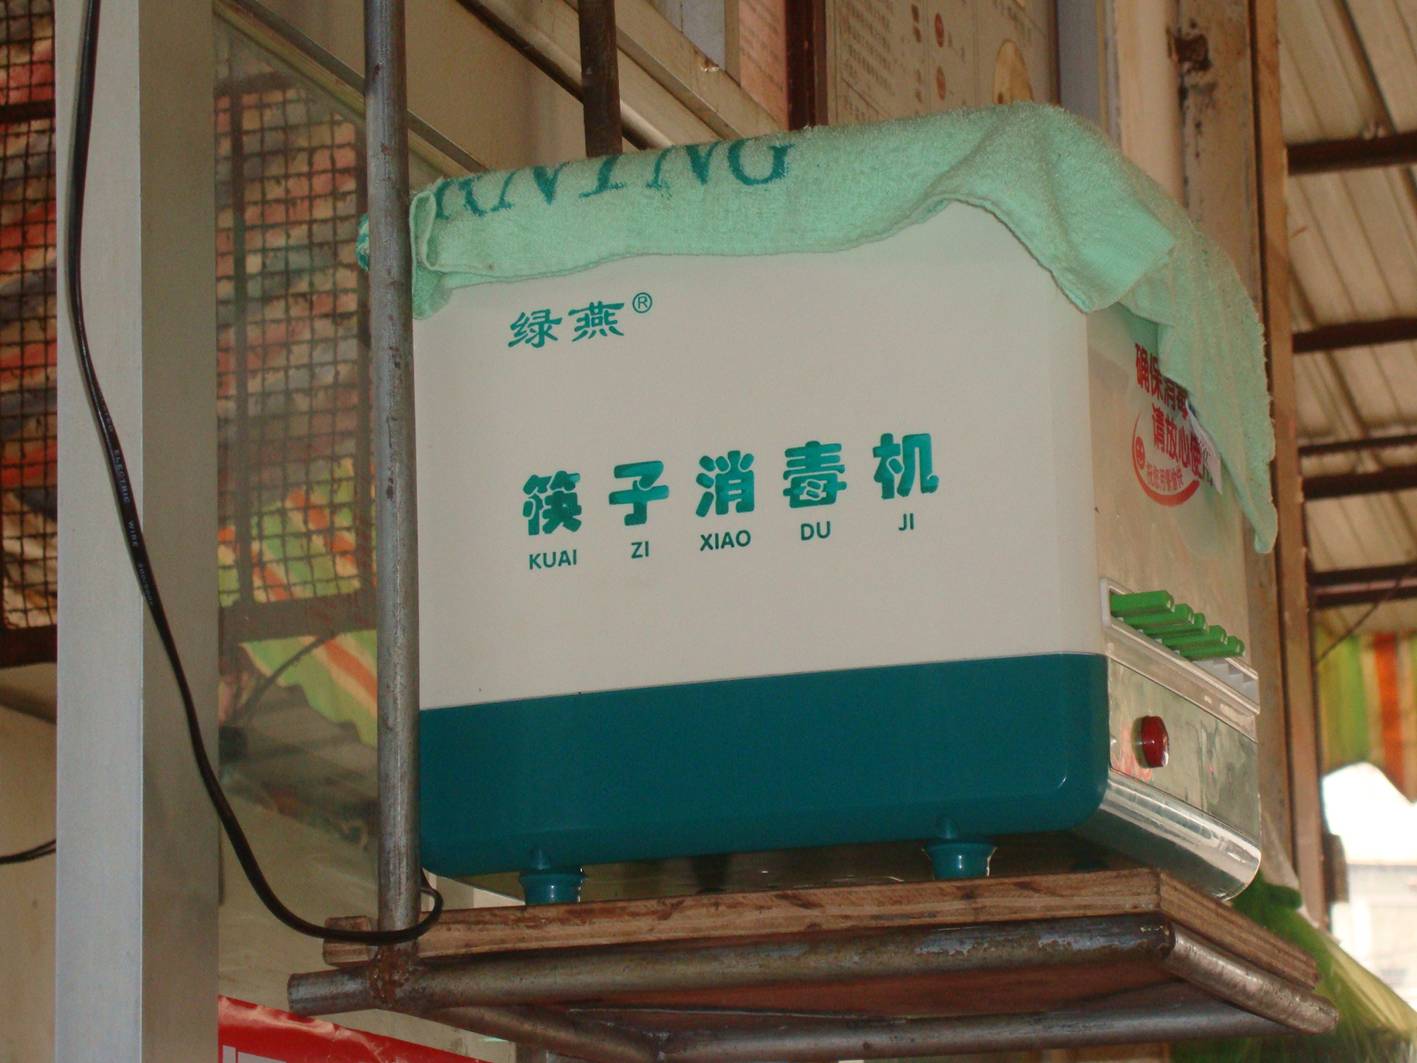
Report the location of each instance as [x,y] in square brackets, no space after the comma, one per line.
[565,1035]
[491,993]
[499,979]
[887,1039]
[571,1038]
[1229,978]
[600,78]
[807,87]
[395,497]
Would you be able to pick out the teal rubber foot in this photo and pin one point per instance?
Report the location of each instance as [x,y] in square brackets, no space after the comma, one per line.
[960,857]
[552,885]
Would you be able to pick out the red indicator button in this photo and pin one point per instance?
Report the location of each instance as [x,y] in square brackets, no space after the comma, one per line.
[1153,743]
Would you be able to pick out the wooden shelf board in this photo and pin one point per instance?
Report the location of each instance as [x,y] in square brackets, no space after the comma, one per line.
[720,918]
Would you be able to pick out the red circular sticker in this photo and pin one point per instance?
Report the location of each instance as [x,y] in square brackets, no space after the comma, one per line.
[1171,455]
[1167,483]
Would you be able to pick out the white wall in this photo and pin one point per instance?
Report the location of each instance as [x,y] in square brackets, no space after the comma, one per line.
[26,890]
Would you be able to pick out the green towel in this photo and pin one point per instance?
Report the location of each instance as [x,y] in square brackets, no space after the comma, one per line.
[1104,230]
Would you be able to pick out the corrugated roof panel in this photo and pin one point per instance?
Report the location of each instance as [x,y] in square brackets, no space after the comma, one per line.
[1388,32]
[1322,65]
[1351,70]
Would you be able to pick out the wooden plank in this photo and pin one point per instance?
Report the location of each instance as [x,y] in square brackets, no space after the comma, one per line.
[1235,933]
[1222,196]
[1218,129]
[1291,560]
[732,915]
[744,916]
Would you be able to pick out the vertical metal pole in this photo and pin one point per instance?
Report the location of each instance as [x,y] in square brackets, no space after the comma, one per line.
[600,78]
[395,499]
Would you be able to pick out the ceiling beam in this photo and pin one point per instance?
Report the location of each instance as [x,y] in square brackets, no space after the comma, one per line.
[1354,153]
[1350,484]
[1351,446]
[1342,599]
[1340,587]
[1355,334]
[1347,577]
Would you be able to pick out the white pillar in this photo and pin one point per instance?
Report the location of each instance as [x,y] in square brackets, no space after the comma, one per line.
[136,950]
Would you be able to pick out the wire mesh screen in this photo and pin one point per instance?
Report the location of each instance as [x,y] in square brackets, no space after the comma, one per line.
[295,548]
[293,374]
[28,448]
[297,701]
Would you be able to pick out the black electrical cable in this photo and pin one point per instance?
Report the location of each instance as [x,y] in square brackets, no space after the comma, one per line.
[251,700]
[137,544]
[26,855]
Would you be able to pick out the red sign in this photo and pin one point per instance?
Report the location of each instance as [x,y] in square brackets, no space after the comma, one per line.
[249,1033]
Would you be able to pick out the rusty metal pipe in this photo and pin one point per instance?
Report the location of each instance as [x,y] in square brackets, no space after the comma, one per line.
[395,497]
[332,992]
[888,1039]
[594,1042]
[1218,972]
[568,976]
[351,989]
[600,78]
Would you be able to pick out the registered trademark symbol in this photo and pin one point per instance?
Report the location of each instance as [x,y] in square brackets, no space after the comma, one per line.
[642,302]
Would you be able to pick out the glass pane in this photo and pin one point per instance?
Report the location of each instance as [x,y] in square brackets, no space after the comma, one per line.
[296,509]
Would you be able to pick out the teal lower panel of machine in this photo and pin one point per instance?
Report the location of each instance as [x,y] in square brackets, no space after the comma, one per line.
[957,750]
